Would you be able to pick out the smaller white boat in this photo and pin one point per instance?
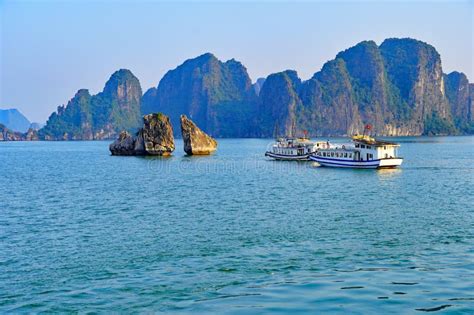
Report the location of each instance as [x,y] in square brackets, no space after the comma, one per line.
[294,149]
[363,152]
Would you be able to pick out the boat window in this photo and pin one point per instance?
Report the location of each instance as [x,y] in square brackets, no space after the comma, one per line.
[368,147]
[345,155]
[362,146]
[332,154]
[357,145]
[350,155]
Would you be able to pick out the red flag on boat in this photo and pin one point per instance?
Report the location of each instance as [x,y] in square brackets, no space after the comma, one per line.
[368,127]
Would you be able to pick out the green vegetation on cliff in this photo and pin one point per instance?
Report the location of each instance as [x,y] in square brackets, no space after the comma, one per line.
[398,87]
[100,116]
[461,98]
[279,88]
[217,96]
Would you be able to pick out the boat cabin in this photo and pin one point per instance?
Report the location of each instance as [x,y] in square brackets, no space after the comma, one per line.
[364,148]
[376,151]
[296,146]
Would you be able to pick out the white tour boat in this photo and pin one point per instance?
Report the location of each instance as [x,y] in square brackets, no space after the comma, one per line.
[363,152]
[293,149]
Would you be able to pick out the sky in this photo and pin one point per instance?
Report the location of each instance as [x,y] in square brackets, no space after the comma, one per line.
[50,49]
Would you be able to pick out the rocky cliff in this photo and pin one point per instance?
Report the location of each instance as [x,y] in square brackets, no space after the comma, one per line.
[100,116]
[414,69]
[398,87]
[217,95]
[460,95]
[278,102]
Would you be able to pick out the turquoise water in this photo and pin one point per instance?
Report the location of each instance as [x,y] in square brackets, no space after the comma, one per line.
[81,230]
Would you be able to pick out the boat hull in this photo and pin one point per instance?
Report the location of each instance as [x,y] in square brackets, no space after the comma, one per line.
[372,164]
[284,157]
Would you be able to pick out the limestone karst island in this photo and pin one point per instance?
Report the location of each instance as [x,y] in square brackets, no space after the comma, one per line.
[399,87]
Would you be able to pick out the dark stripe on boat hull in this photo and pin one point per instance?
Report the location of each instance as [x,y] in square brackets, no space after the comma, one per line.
[356,164]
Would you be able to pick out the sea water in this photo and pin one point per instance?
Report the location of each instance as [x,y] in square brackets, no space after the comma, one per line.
[235,232]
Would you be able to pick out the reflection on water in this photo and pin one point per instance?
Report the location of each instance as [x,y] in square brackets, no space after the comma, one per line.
[389,173]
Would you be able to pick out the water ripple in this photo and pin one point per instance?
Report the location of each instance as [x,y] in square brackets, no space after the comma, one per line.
[82,231]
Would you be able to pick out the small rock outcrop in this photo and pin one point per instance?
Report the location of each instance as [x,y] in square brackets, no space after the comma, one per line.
[157,134]
[155,138]
[31,135]
[10,135]
[196,142]
[124,145]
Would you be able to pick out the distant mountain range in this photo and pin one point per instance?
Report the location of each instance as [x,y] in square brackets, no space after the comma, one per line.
[14,120]
[399,87]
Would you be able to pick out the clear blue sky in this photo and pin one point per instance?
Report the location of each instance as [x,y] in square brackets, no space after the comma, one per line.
[50,49]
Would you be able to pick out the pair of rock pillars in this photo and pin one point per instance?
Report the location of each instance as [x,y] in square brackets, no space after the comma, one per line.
[156,138]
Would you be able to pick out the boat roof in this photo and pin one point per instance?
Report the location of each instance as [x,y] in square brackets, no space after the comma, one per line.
[372,141]
[344,149]
[300,139]
[297,140]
